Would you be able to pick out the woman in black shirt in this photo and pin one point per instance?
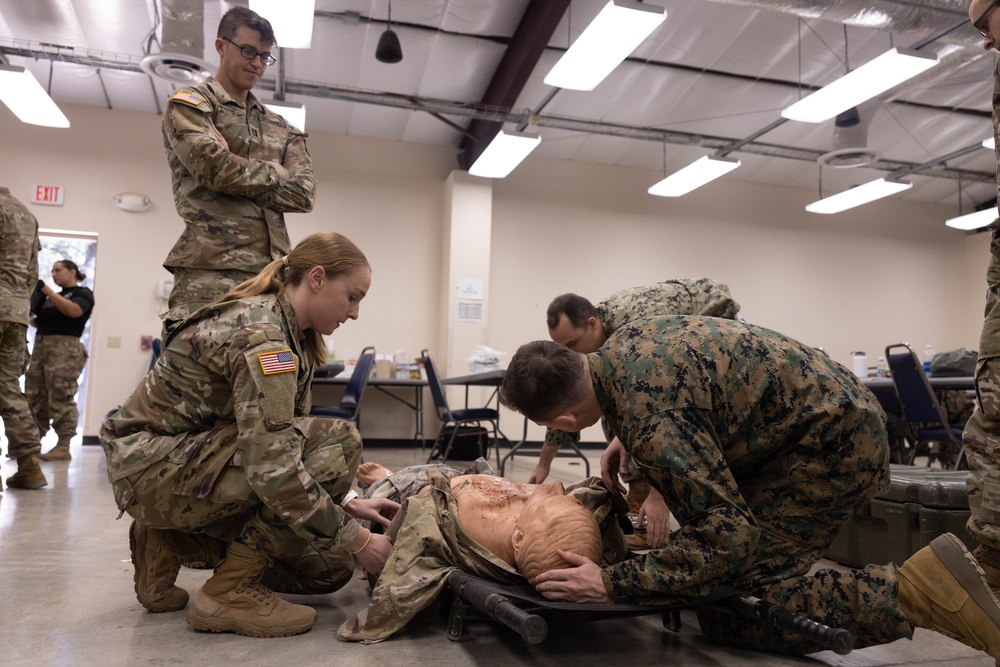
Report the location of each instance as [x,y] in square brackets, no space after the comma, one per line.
[58,356]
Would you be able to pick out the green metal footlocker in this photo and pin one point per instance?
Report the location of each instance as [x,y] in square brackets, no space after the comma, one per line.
[921,504]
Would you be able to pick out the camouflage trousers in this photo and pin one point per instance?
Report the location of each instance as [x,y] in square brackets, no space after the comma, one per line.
[797,528]
[194,288]
[982,433]
[18,424]
[202,488]
[51,383]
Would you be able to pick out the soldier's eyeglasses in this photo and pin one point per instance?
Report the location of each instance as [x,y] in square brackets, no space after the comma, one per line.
[250,53]
[980,23]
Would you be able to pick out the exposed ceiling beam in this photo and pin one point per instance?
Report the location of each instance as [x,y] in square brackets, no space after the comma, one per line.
[539,21]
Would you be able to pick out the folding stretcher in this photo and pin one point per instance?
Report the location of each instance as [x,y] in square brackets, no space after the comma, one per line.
[525,611]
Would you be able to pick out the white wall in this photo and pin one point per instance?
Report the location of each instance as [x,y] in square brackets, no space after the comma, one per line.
[885,273]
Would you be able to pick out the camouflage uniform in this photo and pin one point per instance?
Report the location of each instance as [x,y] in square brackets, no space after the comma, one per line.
[18,275]
[982,433]
[684,296]
[761,448]
[56,363]
[232,200]
[216,441]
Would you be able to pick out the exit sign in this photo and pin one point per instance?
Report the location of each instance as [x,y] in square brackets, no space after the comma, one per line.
[50,195]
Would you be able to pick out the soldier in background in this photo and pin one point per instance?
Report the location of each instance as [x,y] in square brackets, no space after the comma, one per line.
[762,448]
[236,167]
[575,322]
[18,274]
[981,437]
[58,356]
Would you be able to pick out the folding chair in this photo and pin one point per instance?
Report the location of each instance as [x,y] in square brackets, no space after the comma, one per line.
[924,421]
[350,402]
[457,418]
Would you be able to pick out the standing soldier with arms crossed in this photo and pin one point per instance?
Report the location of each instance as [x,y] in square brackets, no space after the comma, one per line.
[236,167]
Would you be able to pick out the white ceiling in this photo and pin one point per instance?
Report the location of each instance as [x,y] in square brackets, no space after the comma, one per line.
[720,70]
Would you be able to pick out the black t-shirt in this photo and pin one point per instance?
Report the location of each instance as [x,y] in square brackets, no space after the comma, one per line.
[53,323]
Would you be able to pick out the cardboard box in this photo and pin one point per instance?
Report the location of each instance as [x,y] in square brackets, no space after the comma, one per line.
[385,368]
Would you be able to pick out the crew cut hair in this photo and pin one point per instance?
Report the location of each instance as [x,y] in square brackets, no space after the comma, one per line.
[576,308]
[543,380]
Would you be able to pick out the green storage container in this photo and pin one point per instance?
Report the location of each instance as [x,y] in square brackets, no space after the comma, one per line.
[921,504]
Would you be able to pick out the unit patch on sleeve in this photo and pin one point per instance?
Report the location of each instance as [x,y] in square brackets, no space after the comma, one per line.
[276,362]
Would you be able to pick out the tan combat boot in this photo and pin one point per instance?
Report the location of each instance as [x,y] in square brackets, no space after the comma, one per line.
[157,556]
[60,452]
[233,600]
[29,475]
[942,588]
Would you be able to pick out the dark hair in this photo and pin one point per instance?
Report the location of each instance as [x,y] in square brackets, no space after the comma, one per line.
[543,379]
[69,264]
[574,307]
[238,16]
[334,252]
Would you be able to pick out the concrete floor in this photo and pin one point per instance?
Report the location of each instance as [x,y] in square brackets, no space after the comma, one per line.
[67,597]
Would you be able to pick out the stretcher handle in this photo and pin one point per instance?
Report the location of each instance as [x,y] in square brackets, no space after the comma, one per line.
[532,627]
[838,640]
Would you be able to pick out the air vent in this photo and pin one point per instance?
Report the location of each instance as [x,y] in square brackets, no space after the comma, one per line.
[176,67]
[846,158]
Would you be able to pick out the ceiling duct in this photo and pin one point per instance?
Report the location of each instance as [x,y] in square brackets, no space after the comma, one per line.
[850,138]
[182,44]
[918,18]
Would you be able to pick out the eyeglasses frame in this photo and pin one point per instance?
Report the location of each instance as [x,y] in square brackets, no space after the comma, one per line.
[267,58]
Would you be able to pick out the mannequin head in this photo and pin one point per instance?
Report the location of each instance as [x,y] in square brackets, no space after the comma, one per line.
[549,521]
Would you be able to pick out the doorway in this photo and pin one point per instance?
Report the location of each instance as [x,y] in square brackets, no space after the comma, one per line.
[81,249]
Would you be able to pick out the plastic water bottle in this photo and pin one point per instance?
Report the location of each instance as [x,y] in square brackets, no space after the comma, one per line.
[928,357]
[881,368]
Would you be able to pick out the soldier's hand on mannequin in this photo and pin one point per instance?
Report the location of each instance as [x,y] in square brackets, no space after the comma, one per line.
[374,554]
[657,517]
[377,510]
[580,583]
[614,461]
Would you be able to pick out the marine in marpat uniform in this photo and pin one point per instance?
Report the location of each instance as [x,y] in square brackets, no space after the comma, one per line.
[216,460]
[579,325]
[18,275]
[236,167]
[762,448]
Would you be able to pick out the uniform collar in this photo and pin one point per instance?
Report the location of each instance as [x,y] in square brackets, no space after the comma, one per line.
[293,323]
[225,98]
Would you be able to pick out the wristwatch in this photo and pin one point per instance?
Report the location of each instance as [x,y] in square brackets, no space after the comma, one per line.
[351,495]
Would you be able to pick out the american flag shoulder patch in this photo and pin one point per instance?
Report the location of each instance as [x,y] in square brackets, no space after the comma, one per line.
[188,97]
[281,361]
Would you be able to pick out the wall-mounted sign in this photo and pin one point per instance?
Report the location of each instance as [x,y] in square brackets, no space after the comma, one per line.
[49,195]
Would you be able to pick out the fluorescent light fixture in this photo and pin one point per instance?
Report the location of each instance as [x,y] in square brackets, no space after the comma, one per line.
[21,92]
[503,154]
[876,76]
[698,173]
[973,220]
[856,196]
[613,34]
[292,20]
[295,114]
[990,143]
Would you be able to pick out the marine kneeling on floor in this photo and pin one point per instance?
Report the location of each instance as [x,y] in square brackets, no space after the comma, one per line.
[217,461]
